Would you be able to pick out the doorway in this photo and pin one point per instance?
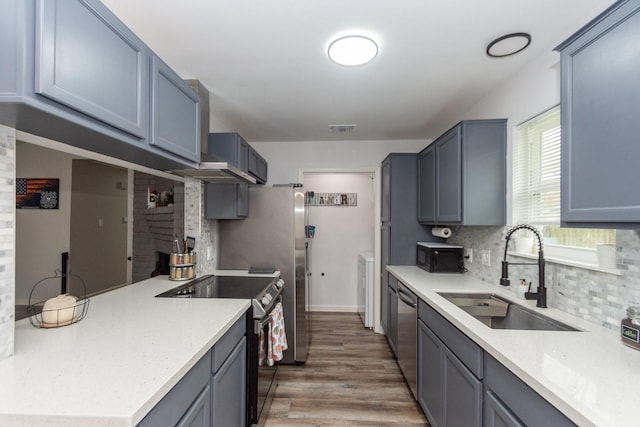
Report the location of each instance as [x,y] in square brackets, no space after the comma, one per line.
[342,231]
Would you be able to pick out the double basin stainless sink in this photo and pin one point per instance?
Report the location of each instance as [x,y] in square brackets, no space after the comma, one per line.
[500,313]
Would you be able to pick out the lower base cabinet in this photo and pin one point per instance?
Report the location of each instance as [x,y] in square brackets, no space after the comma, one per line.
[199,413]
[511,402]
[213,392]
[448,392]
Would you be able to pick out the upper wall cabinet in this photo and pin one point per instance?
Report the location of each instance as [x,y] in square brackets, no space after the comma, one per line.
[600,100]
[74,73]
[462,175]
[175,112]
[257,166]
[229,147]
[91,64]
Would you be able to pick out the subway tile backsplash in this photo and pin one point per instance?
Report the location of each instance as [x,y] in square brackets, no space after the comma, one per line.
[598,297]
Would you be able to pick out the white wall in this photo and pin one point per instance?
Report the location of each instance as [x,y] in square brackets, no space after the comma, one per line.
[286,159]
[41,235]
[341,233]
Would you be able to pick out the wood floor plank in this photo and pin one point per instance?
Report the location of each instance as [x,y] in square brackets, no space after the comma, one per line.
[350,378]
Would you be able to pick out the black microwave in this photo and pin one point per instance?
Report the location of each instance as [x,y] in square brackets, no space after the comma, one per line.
[440,257]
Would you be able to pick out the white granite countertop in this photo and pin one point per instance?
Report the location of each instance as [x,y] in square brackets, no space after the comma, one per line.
[589,375]
[112,367]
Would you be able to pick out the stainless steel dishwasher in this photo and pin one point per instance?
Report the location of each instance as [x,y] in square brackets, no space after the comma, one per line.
[408,336]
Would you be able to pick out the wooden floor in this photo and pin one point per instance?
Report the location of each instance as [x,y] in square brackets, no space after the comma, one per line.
[350,379]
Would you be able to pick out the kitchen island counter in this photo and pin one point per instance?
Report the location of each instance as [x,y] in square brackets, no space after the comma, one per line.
[112,367]
[589,375]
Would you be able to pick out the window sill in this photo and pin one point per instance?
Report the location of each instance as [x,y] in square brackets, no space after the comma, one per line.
[583,265]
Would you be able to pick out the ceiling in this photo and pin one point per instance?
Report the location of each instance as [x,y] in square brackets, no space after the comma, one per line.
[265,63]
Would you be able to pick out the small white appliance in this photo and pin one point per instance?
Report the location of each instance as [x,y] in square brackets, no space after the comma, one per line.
[365,288]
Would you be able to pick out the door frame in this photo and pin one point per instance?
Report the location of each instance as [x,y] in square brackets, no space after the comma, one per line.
[375,171]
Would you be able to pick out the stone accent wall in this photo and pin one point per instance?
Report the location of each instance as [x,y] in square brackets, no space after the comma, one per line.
[154,229]
[598,297]
[7,240]
[205,231]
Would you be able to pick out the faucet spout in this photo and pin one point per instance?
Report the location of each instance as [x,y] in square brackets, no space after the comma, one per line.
[541,294]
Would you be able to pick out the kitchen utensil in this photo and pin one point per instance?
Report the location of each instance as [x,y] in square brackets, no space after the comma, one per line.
[190,244]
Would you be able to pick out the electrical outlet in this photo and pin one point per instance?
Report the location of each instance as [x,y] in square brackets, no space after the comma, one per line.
[485,257]
[469,255]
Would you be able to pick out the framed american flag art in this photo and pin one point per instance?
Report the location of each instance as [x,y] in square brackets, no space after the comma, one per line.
[37,193]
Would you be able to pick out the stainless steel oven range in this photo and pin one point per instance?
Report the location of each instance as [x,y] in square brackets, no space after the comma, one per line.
[264,293]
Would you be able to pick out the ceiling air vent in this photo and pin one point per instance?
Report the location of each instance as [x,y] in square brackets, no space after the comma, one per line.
[342,128]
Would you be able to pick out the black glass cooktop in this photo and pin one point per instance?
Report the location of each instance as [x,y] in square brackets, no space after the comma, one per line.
[221,287]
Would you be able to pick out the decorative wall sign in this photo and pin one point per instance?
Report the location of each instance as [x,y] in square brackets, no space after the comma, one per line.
[333,199]
[37,193]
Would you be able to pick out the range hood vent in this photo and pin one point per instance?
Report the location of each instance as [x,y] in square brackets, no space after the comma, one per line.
[221,172]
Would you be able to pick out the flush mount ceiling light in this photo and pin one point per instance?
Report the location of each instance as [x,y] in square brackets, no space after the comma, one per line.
[508,45]
[352,50]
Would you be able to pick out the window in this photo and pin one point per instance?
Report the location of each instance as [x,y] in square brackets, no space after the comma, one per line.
[536,190]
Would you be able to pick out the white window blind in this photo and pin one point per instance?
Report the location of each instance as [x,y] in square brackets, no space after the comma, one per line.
[536,174]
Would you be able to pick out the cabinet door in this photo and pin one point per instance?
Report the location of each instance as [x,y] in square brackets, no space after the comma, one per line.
[385,180]
[257,166]
[228,385]
[496,414]
[462,391]
[226,201]
[427,185]
[430,374]
[600,127]
[199,414]
[89,61]
[448,158]
[175,113]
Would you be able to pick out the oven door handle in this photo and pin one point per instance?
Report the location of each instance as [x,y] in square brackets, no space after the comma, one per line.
[259,324]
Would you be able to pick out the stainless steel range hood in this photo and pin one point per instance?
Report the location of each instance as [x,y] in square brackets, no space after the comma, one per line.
[220,172]
[209,169]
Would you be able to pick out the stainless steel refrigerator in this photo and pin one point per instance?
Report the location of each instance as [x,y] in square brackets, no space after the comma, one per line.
[273,235]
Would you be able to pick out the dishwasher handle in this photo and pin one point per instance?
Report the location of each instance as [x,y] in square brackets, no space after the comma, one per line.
[405,298]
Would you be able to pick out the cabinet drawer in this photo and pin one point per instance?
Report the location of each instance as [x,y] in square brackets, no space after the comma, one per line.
[226,344]
[462,346]
[522,400]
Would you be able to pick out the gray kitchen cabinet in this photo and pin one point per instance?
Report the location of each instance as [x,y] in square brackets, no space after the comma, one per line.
[392,310]
[213,392]
[496,414]
[199,414]
[257,166]
[427,185]
[462,175]
[92,63]
[229,147]
[600,95]
[175,113]
[228,386]
[74,73]
[430,396]
[450,372]
[184,398]
[514,403]
[400,229]
[228,200]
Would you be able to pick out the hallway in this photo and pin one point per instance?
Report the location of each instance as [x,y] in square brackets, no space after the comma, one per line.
[350,378]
